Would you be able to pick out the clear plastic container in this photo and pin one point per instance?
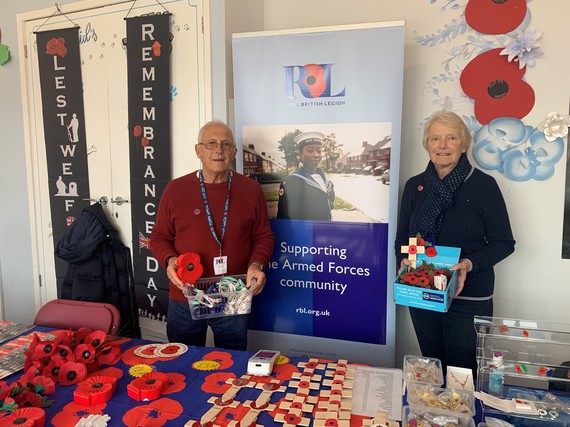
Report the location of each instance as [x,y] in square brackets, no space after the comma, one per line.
[456,401]
[419,416]
[227,302]
[423,369]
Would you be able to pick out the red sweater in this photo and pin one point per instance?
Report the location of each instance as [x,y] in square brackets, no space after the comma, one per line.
[182,225]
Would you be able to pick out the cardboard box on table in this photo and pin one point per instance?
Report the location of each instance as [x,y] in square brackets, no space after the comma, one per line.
[429,299]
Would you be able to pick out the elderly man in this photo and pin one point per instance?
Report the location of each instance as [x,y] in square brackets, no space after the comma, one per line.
[307,193]
[222,216]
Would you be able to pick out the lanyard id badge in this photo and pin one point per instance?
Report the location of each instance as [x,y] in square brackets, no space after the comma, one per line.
[220,262]
[220,265]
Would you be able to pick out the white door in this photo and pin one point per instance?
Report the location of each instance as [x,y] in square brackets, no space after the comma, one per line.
[104,76]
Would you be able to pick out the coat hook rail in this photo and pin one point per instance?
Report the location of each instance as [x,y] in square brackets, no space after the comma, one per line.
[102,200]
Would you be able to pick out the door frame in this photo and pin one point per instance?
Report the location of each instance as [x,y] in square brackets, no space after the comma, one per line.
[41,262]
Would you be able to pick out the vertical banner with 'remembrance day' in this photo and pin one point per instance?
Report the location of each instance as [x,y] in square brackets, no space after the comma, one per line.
[329,283]
[148,64]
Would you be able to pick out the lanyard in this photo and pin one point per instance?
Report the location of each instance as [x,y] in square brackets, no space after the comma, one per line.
[209,212]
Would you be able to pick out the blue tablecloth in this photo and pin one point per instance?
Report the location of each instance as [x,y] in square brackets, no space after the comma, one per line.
[195,376]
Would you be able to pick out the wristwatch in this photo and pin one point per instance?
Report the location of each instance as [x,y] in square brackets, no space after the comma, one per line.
[260,265]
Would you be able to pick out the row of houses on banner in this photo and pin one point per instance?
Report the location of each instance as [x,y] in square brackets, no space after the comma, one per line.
[373,159]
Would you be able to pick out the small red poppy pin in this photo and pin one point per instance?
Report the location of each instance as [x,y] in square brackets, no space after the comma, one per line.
[420,187]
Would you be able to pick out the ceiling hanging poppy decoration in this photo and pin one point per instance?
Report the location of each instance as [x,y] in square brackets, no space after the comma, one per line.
[495,16]
[497,87]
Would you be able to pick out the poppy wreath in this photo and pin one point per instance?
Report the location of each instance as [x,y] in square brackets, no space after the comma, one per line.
[423,276]
[23,395]
[69,356]
[189,268]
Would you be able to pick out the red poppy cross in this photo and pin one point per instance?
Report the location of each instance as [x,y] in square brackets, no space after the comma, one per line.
[306,374]
[331,419]
[236,385]
[291,419]
[213,412]
[340,368]
[311,365]
[305,386]
[380,420]
[304,403]
[251,417]
[412,250]
[268,389]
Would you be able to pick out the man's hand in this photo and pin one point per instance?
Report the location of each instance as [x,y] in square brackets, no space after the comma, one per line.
[255,278]
[173,277]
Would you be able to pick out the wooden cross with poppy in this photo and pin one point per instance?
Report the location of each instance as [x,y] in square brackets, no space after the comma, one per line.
[332,419]
[236,385]
[305,403]
[306,375]
[340,382]
[379,420]
[213,412]
[340,369]
[335,402]
[305,386]
[412,250]
[292,418]
[268,389]
[251,417]
[311,365]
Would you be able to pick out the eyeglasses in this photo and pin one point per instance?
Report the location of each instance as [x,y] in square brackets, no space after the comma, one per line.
[212,145]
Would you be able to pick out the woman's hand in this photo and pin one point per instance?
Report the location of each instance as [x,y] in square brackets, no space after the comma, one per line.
[405,263]
[462,267]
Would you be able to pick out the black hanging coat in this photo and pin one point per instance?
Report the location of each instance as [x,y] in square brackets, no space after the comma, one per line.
[100,267]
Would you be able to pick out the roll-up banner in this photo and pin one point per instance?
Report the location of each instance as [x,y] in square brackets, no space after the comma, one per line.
[64,131]
[148,66]
[318,124]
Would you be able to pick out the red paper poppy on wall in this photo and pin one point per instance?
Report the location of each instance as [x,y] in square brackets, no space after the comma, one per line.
[497,87]
[495,16]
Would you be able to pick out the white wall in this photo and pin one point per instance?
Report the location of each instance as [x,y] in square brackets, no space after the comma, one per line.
[15,236]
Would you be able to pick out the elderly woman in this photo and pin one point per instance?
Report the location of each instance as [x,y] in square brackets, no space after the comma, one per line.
[453,204]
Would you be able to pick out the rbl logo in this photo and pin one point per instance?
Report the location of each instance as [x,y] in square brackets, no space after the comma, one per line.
[314,81]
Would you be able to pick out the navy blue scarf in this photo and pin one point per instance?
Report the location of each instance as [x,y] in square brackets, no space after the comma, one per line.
[440,195]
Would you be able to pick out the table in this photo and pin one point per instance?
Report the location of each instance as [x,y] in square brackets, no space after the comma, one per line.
[199,377]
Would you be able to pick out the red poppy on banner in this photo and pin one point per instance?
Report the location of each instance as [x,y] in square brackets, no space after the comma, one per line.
[314,79]
[497,87]
[495,17]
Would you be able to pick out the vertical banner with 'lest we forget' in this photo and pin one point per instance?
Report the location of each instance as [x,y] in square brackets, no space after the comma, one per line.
[64,131]
[329,283]
[148,63]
